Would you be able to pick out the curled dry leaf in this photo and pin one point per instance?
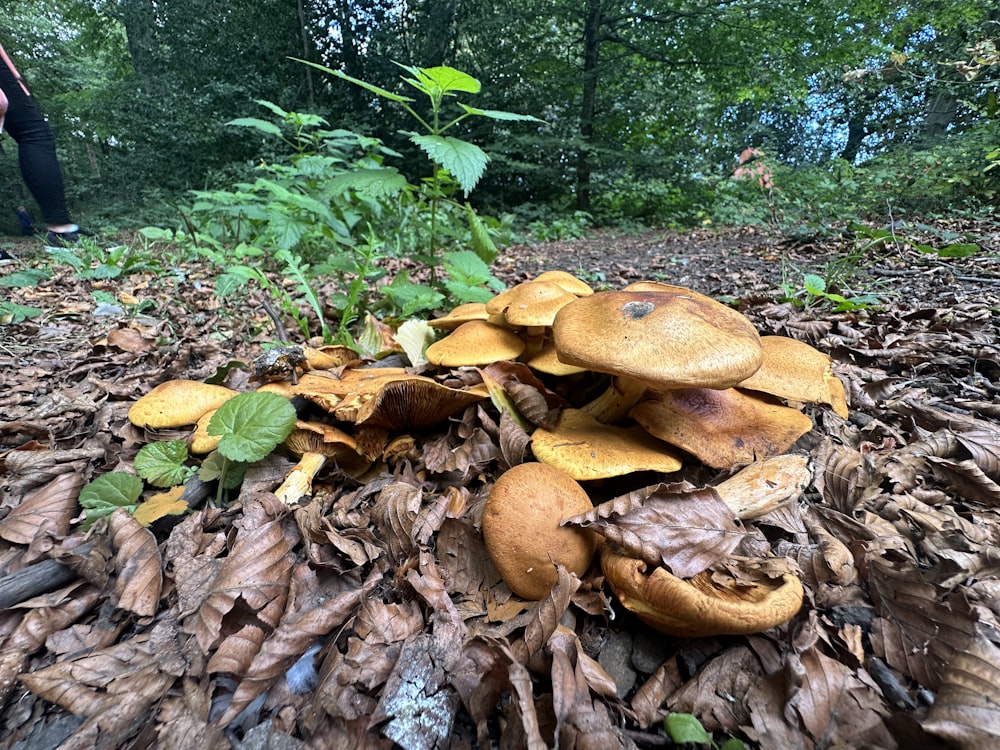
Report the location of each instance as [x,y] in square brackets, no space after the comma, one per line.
[394,515]
[48,509]
[543,619]
[137,564]
[968,480]
[966,710]
[675,525]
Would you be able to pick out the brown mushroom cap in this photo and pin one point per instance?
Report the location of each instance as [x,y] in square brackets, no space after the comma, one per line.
[530,304]
[701,606]
[666,339]
[586,449]
[547,360]
[176,403]
[567,281]
[723,428]
[795,371]
[521,528]
[461,314]
[315,443]
[475,343]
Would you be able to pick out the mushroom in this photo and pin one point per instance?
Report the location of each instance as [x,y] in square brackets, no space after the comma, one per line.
[567,281]
[315,443]
[521,528]
[721,427]
[547,360]
[795,371]
[587,449]
[475,343]
[765,485]
[176,403]
[706,604]
[461,314]
[662,338]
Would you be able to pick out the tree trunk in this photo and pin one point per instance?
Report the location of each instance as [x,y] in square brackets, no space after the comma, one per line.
[941,109]
[140,22]
[304,31]
[855,134]
[591,47]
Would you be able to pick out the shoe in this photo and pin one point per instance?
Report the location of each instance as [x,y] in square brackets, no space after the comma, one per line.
[5,258]
[66,239]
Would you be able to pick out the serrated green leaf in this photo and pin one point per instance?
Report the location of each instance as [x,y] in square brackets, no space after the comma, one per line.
[496,114]
[374,182]
[682,728]
[162,464]
[447,79]
[227,283]
[958,250]
[412,298]
[466,267]
[108,492]
[254,122]
[461,293]
[29,277]
[814,284]
[252,425]
[216,466]
[465,161]
[482,243]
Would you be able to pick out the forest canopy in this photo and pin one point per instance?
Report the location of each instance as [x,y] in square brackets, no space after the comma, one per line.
[645,108]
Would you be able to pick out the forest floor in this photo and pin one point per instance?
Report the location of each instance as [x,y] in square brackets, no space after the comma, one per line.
[184,634]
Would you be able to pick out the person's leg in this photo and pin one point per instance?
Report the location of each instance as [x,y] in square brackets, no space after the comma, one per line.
[36,152]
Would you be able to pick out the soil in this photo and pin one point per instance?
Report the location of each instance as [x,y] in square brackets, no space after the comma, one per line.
[894,539]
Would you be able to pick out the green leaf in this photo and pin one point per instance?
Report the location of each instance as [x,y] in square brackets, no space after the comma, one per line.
[358,82]
[216,466]
[461,293]
[496,114]
[733,744]
[252,425]
[465,161]
[255,122]
[415,336]
[682,728]
[447,79]
[466,267]
[814,284]
[374,182]
[482,243]
[110,491]
[958,250]
[29,277]
[162,464]
[412,298]
[14,313]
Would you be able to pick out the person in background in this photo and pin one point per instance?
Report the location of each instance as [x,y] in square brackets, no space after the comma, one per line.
[27,223]
[36,154]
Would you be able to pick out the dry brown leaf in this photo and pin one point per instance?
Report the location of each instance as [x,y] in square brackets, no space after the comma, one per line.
[715,694]
[543,619]
[967,480]
[257,571]
[685,529]
[966,710]
[984,447]
[137,564]
[291,639]
[394,515]
[920,626]
[113,688]
[513,442]
[48,509]
[841,475]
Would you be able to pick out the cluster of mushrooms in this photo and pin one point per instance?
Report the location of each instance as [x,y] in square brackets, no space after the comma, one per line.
[680,378]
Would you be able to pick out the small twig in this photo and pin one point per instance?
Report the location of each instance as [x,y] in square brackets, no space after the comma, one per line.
[40,578]
[278,325]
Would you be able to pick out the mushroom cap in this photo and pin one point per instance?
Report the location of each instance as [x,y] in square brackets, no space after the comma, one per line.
[701,606]
[795,371]
[530,304]
[547,360]
[587,449]
[200,441]
[461,314]
[567,281]
[176,403]
[475,343]
[521,528]
[723,428]
[668,339]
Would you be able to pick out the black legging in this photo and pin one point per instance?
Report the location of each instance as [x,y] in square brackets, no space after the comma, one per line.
[36,149]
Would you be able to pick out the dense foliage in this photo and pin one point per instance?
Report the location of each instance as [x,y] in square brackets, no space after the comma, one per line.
[852,109]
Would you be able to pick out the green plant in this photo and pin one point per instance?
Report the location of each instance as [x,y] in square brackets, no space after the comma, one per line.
[453,158]
[250,425]
[683,729]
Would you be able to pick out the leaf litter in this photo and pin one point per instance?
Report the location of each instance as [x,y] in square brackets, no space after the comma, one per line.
[372,616]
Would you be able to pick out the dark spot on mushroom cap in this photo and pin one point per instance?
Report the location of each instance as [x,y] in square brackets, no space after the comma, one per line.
[637,310]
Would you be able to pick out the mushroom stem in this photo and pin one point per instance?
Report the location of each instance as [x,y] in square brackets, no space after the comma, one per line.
[298,483]
[614,404]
